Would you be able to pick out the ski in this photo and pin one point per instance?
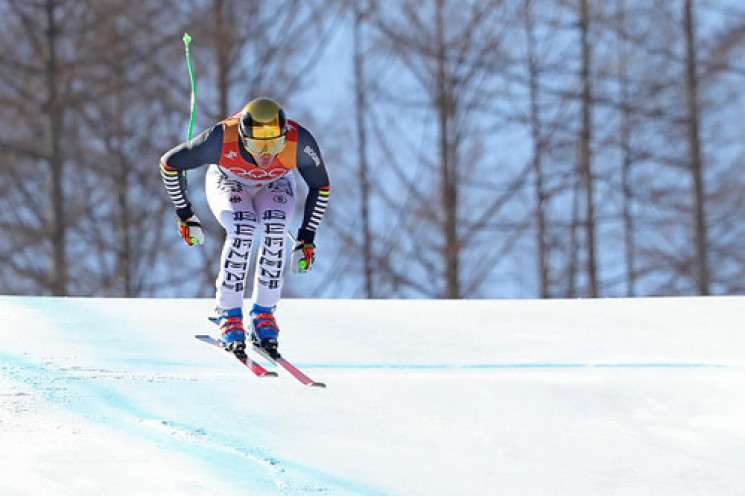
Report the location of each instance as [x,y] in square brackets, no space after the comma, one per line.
[254,367]
[278,359]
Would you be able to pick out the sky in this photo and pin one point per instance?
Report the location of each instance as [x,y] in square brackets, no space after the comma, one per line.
[637,396]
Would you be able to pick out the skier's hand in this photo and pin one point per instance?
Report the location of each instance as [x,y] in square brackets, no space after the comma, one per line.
[191,230]
[303,256]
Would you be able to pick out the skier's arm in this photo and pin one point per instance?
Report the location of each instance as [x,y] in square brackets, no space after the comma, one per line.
[312,169]
[204,149]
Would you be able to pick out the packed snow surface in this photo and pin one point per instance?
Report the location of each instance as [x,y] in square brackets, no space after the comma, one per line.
[562,397]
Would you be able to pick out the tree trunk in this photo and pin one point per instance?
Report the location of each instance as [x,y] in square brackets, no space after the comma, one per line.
[54,122]
[585,159]
[696,162]
[629,224]
[221,59]
[361,109]
[445,109]
[123,221]
[536,134]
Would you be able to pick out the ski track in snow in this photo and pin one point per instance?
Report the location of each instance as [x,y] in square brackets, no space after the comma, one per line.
[92,393]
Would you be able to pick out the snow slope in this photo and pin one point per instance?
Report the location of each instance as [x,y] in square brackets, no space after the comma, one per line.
[114,396]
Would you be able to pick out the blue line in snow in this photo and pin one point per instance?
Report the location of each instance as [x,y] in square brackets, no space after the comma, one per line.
[660,365]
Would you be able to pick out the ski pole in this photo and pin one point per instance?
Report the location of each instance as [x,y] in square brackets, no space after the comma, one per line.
[187,41]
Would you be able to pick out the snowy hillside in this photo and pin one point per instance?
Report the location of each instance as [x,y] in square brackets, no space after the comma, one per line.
[632,397]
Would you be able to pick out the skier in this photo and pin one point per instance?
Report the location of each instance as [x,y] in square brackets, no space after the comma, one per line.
[250,188]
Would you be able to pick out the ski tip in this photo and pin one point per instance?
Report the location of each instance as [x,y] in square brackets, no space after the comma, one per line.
[202,336]
[317,385]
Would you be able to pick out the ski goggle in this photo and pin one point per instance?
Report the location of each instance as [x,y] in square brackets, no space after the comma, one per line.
[261,146]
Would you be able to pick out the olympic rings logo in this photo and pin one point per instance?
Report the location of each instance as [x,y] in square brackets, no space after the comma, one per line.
[256,174]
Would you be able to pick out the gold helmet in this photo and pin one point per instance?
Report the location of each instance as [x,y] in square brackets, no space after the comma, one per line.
[262,126]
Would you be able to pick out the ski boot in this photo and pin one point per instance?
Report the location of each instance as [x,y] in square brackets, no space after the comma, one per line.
[233,337]
[264,329]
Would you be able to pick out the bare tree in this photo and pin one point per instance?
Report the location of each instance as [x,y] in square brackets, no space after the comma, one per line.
[680,72]
[585,149]
[122,213]
[361,110]
[37,81]
[625,144]
[448,51]
[696,159]
[537,136]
